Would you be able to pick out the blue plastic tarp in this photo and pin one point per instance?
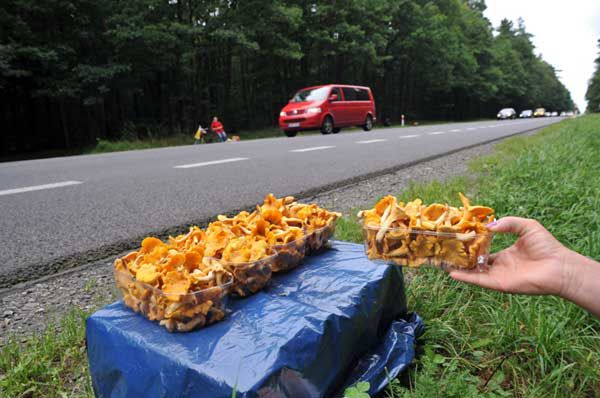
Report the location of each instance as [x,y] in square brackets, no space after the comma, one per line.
[336,320]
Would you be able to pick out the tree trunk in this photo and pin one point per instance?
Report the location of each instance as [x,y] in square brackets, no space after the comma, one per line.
[244,83]
[65,124]
[227,80]
[102,123]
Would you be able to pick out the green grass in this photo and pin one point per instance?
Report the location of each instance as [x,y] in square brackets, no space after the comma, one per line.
[478,343]
[265,133]
[51,364]
[104,146]
[415,123]
[483,343]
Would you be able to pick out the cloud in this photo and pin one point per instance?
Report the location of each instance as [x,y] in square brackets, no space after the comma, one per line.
[565,33]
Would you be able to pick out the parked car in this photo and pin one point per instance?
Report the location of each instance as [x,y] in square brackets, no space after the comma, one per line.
[328,108]
[526,113]
[539,112]
[506,113]
[553,114]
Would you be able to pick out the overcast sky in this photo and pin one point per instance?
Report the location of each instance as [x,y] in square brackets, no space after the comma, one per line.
[565,33]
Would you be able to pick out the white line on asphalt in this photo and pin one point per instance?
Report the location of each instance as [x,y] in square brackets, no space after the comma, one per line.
[455,130]
[471,128]
[371,141]
[490,126]
[315,148]
[437,133]
[39,187]
[188,166]
[410,136]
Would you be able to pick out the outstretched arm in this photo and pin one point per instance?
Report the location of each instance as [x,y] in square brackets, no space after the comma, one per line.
[583,288]
[538,264]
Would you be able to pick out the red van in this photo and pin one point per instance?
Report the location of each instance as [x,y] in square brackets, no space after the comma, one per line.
[328,108]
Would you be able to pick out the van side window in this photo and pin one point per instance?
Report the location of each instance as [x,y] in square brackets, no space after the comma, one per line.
[349,93]
[336,90]
[362,95]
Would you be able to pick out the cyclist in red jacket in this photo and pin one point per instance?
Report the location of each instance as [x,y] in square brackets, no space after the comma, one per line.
[217,127]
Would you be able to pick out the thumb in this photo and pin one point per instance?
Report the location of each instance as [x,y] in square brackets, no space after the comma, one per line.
[514,225]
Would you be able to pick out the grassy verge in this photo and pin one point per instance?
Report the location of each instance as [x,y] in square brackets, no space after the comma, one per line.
[482,343]
[104,146]
[52,364]
[478,343]
[415,123]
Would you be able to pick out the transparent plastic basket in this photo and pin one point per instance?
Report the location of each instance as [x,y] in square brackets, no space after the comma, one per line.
[317,239]
[289,255]
[416,248]
[176,312]
[250,277]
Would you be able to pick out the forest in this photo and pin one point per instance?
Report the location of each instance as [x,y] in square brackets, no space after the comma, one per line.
[592,94]
[76,71]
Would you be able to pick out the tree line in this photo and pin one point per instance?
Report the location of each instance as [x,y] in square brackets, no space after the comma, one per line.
[74,71]
[592,94]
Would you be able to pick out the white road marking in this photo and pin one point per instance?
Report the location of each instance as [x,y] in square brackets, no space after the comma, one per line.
[490,126]
[315,148]
[471,128]
[371,141]
[436,133]
[410,136]
[188,166]
[455,130]
[39,187]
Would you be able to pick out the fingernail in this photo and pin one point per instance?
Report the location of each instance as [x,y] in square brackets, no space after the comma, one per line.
[492,224]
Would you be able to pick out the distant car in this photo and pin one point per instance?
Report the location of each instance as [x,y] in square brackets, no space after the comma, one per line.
[506,113]
[563,113]
[547,114]
[553,114]
[570,113]
[526,113]
[328,108]
[539,112]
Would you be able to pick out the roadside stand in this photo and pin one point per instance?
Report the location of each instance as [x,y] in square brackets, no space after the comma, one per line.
[336,320]
[261,304]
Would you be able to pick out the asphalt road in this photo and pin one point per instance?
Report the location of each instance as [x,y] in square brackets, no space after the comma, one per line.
[56,213]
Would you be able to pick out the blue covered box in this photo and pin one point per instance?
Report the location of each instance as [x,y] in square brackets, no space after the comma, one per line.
[336,320]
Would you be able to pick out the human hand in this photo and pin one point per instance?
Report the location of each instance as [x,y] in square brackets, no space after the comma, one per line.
[535,264]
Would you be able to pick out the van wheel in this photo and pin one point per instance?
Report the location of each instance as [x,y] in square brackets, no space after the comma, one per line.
[290,133]
[368,123]
[327,126]
[336,130]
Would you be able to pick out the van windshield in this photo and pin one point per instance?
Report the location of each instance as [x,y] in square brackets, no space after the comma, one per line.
[314,94]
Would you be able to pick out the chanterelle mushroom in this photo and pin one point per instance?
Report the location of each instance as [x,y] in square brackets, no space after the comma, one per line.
[438,232]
